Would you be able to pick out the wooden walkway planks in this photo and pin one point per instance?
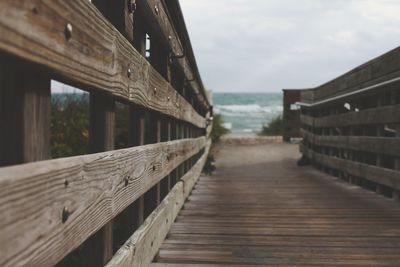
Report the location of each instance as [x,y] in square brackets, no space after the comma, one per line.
[259,208]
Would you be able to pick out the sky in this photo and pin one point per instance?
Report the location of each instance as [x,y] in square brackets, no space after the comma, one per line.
[268,45]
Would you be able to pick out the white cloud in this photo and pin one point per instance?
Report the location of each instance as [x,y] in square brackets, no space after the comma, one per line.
[267,45]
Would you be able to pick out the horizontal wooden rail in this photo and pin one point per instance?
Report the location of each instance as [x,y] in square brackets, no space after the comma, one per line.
[156,15]
[49,208]
[380,115]
[351,125]
[307,120]
[141,248]
[390,178]
[352,94]
[381,145]
[375,71]
[75,41]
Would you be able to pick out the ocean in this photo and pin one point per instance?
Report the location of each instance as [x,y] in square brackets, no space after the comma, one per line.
[247,112]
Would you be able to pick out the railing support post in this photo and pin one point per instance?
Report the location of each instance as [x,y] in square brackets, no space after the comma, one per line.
[25,111]
[102,120]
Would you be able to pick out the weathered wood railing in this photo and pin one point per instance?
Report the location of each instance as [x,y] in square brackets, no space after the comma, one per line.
[49,208]
[351,125]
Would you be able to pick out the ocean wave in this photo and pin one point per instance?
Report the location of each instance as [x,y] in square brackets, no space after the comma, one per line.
[253,108]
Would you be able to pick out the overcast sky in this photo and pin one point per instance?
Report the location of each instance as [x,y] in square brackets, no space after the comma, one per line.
[267,45]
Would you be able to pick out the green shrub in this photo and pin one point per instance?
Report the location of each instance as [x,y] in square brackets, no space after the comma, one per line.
[218,129]
[275,127]
[69,125]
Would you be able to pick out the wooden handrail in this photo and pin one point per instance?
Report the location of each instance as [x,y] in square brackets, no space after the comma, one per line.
[74,197]
[94,54]
[351,125]
[52,207]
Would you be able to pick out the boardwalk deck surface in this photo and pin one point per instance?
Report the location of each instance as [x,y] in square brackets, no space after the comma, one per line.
[259,208]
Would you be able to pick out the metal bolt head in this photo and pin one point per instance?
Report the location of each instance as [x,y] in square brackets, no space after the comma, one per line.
[129,72]
[156,9]
[68,31]
[169,37]
[155,90]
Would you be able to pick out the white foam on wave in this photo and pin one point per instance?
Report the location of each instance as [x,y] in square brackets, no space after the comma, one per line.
[240,109]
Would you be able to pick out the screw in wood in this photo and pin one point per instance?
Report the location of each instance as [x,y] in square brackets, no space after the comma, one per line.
[156,9]
[68,31]
[155,90]
[129,72]
[168,98]
[65,214]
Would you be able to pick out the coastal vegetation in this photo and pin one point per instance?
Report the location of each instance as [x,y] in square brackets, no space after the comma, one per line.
[274,128]
[218,130]
[69,125]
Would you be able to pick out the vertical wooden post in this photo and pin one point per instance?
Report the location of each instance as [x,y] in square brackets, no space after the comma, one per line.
[25,108]
[137,138]
[152,197]
[182,133]
[379,133]
[169,138]
[159,60]
[119,13]
[165,136]
[102,119]
[396,193]
[137,116]
[174,174]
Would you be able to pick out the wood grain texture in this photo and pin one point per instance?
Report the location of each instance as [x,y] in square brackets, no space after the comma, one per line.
[191,177]
[49,208]
[307,120]
[141,248]
[156,15]
[388,177]
[377,70]
[380,115]
[101,139]
[24,113]
[92,55]
[380,145]
[260,209]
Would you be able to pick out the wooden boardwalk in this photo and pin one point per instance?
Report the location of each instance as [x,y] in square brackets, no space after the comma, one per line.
[259,208]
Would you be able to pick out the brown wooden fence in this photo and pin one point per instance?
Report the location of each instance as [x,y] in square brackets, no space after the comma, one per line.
[49,208]
[351,125]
